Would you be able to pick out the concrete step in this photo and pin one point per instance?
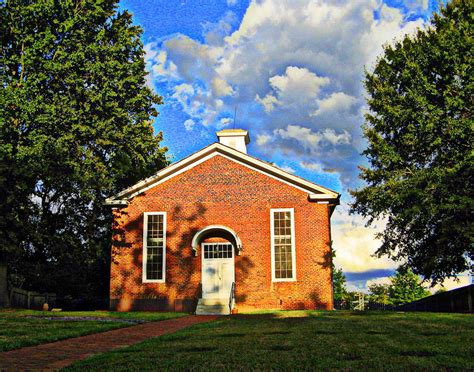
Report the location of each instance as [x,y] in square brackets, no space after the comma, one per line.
[212,311]
[214,306]
[213,301]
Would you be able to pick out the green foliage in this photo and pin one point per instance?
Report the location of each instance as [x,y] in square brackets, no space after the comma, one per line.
[339,284]
[74,128]
[351,300]
[379,293]
[406,287]
[420,137]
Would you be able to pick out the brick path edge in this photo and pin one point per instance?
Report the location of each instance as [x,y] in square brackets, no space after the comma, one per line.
[59,354]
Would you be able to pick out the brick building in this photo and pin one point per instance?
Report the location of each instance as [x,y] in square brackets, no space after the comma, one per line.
[222,230]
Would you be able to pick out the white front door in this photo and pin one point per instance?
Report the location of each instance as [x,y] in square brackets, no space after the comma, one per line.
[217,270]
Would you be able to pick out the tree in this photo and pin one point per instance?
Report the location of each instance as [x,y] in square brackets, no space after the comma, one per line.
[379,293]
[420,137]
[354,300]
[75,127]
[339,284]
[406,287]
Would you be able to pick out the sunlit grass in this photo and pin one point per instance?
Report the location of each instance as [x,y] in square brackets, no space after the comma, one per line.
[305,340]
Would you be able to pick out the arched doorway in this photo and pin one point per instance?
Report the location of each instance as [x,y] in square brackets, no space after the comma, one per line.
[217,231]
[217,260]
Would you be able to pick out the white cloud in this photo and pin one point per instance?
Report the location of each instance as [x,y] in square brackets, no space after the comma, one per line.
[336,139]
[335,102]
[452,283]
[263,139]
[182,90]
[298,62]
[290,62]
[224,122]
[298,86]
[313,140]
[356,244]
[317,167]
[198,103]
[215,33]
[189,124]
[379,281]
[287,168]
[268,102]
[160,68]
[220,87]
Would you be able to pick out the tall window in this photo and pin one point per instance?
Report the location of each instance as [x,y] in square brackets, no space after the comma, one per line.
[154,247]
[283,244]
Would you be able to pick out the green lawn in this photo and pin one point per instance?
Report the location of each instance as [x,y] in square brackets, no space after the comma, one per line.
[19,328]
[305,340]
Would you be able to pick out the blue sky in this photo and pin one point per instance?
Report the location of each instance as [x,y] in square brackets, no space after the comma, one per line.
[293,71]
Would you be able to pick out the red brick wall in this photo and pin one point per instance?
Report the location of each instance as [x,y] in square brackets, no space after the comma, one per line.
[220,191]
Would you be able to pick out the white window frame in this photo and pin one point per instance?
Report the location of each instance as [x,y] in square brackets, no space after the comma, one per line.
[145,247]
[293,249]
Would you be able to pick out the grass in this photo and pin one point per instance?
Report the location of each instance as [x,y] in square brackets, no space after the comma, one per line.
[305,340]
[135,315]
[19,328]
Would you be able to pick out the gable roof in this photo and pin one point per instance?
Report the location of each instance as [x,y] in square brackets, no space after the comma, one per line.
[315,192]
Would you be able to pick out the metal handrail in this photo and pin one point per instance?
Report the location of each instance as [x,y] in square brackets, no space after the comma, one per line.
[232,297]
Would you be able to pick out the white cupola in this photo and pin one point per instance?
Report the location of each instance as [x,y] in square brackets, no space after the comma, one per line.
[235,138]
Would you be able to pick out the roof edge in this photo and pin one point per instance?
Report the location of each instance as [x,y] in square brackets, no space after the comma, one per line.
[315,191]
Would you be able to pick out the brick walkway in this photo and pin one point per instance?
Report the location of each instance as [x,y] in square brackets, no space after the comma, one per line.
[60,354]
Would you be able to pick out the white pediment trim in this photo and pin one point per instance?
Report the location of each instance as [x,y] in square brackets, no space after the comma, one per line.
[315,192]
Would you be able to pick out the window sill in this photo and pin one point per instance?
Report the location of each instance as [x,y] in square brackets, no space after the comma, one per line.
[153,281]
[283,280]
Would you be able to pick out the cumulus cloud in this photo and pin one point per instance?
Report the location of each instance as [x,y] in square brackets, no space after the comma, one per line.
[263,139]
[356,244]
[160,68]
[316,167]
[294,68]
[214,33]
[452,283]
[313,140]
[287,168]
[335,102]
[286,62]
[189,124]
[379,281]
[197,102]
[224,122]
[297,86]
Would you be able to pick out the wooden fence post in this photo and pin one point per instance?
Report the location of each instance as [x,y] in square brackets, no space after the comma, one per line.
[469,298]
[4,297]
